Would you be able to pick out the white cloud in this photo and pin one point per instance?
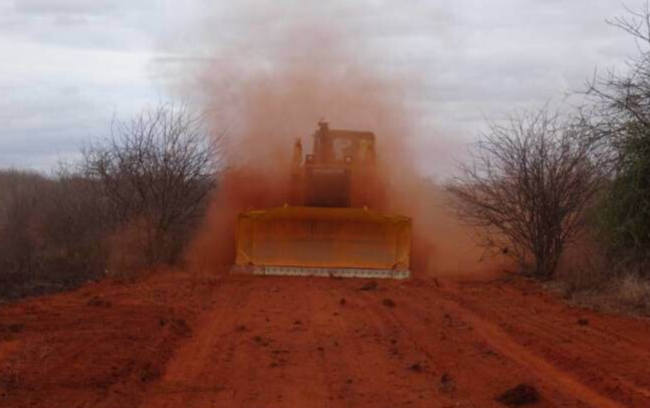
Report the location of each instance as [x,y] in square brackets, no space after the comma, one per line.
[62,81]
[65,6]
[69,65]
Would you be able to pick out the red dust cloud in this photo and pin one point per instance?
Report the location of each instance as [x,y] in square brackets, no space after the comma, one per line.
[265,109]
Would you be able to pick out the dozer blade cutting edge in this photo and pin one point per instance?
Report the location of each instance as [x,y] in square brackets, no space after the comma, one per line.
[318,241]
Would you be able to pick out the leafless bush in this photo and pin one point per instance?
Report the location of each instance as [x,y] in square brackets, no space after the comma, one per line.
[528,186]
[156,172]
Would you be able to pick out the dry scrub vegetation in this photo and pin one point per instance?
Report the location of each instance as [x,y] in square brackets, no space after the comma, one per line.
[528,186]
[132,202]
[568,197]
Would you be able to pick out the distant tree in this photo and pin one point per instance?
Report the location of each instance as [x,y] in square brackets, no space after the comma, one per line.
[156,173]
[527,186]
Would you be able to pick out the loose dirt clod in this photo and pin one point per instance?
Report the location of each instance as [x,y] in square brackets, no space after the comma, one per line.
[372,285]
[388,302]
[181,328]
[522,394]
[98,302]
[447,384]
[261,341]
[149,373]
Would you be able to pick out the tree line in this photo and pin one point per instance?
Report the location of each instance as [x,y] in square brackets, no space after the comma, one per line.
[131,202]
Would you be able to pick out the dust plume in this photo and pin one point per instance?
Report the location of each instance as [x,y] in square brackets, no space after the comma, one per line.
[307,69]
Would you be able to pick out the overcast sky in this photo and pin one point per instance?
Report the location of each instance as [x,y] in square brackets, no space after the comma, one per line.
[69,66]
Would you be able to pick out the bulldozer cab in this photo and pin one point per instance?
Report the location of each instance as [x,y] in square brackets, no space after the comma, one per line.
[333,172]
[342,147]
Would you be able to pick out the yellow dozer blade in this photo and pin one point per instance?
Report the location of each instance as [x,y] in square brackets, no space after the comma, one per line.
[320,241]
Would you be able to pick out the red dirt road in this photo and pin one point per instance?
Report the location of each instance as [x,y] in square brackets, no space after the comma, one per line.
[177,341]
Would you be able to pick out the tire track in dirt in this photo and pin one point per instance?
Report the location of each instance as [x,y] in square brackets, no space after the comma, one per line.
[545,326]
[252,351]
[378,364]
[545,371]
[314,342]
[551,330]
[290,370]
[182,382]
[462,365]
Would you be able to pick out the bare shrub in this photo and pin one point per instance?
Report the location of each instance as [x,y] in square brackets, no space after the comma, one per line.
[528,186]
[156,171]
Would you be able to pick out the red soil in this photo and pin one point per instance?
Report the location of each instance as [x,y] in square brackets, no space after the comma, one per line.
[182,341]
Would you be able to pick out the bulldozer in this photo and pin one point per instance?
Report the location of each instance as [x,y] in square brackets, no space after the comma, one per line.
[326,227]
